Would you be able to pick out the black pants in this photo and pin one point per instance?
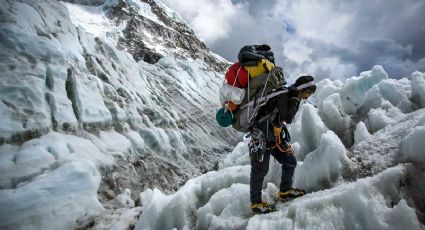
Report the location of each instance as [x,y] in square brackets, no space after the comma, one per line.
[259,171]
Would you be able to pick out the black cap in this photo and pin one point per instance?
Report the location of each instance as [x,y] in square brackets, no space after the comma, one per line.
[305,79]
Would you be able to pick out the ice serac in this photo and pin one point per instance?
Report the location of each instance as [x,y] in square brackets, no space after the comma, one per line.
[336,119]
[418,88]
[324,166]
[64,198]
[125,85]
[412,148]
[307,130]
[352,94]
[361,133]
[194,198]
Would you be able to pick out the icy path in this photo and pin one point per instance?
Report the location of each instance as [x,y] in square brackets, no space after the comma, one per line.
[380,150]
[369,203]
[219,200]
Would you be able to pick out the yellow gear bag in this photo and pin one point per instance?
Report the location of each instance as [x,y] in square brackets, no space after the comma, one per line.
[263,66]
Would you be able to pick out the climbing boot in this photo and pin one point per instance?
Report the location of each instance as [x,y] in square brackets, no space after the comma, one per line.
[292,193]
[262,208]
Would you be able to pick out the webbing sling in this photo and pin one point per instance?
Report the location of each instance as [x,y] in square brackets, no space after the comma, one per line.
[277,93]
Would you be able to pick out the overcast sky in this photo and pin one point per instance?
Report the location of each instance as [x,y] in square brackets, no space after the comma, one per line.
[328,39]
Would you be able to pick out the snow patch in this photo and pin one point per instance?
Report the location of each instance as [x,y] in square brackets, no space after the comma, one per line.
[94,21]
[122,200]
[44,154]
[93,110]
[111,142]
[363,204]
[239,155]
[217,204]
[412,148]
[379,118]
[144,9]
[325,88]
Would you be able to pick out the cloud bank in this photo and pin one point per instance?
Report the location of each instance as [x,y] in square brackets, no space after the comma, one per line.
[329,39]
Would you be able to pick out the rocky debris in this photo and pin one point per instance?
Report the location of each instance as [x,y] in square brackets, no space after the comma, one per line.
[139,173]
[378,153]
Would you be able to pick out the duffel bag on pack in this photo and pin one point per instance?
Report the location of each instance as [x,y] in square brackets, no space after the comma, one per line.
[274,79]
[266,82]
[237,76]
[262,66]
[231,96]
[251,54]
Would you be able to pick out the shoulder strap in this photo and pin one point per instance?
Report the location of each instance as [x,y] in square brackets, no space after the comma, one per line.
[274,94]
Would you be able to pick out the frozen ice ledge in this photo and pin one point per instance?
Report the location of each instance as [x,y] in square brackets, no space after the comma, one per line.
[68,97]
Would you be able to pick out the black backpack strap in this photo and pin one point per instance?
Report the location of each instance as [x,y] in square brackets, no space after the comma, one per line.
[262,99]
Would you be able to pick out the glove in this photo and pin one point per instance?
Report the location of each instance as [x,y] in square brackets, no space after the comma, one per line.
[281,142]
[293,92]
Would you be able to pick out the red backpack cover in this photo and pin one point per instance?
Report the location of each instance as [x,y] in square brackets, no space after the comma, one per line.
[237,76]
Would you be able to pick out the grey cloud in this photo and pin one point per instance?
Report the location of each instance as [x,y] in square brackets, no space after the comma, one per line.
[256,29]
[255,7]
[421,65]
[390,33]
[322,73]
[367,53]
[289,67]
[386,32]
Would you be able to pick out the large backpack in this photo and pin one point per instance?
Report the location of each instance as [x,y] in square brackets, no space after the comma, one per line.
[254,76]
[261,90]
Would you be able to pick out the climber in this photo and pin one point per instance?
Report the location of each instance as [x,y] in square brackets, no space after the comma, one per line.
[271,137]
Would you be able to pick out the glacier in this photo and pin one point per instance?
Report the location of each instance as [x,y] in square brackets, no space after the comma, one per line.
[72,90]
[108,112]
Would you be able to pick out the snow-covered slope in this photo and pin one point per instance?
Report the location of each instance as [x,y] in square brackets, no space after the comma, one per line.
[376,183]
[105,100]
[85,112]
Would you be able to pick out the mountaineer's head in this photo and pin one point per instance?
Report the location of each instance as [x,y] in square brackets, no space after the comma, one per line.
[306,86]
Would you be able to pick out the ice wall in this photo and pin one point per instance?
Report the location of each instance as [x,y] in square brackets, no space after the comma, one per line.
[70,93]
